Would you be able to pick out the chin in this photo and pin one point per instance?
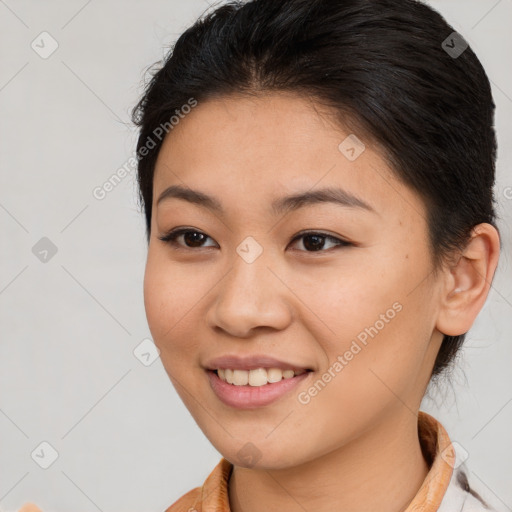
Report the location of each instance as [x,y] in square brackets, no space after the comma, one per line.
[251,455]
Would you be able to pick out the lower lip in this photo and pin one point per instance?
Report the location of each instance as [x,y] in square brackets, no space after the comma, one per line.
[250,397]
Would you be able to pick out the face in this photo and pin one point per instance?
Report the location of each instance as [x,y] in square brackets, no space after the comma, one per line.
[353,299]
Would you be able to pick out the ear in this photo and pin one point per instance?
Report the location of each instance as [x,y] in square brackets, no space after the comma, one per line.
[468,281]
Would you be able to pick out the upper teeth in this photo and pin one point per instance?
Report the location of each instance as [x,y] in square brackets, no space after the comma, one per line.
[256,377]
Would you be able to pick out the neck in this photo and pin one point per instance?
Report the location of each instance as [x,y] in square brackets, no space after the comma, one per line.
[382,470]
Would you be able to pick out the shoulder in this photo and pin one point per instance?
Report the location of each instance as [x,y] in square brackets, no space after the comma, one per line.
[189,502]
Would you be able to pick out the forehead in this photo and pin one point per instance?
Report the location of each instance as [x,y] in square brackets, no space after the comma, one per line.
[251,148]
[266,126]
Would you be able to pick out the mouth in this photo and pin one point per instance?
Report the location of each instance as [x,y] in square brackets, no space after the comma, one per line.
[252,362]
[255,388]
[256,377]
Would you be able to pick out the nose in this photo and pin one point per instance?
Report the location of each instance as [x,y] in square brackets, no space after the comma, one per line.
[250,296]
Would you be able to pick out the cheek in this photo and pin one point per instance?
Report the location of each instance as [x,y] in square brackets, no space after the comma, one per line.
[376,320]
[170,295]
[363,380]
[349,299]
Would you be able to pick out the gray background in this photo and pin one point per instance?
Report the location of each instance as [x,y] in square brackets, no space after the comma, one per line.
[70,324]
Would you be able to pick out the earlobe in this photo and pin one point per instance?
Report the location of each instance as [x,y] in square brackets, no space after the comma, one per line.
[468,281]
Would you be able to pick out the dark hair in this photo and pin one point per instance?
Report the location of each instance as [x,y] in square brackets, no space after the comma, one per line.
[392,71]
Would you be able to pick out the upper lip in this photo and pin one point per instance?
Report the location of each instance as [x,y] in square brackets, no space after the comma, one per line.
[250,363]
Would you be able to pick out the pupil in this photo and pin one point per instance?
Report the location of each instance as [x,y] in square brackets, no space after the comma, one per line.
[193,237]
[316,245]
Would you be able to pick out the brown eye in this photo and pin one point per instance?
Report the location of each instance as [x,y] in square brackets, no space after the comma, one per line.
[315,242]
[191,237]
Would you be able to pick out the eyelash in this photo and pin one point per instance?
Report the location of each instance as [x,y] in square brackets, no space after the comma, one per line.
[171,236]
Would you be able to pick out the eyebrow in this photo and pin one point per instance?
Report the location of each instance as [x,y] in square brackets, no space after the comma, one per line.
[279,206]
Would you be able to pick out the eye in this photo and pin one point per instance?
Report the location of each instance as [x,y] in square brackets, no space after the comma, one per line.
[190,236]
[315,241]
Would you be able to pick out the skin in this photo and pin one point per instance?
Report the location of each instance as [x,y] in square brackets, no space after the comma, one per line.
[355,445]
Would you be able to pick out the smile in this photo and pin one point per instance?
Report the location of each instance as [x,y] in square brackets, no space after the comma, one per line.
[248,391]
[256,377]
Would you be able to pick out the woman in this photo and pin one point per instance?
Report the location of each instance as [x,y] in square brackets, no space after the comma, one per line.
[321,231]
[317,178]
